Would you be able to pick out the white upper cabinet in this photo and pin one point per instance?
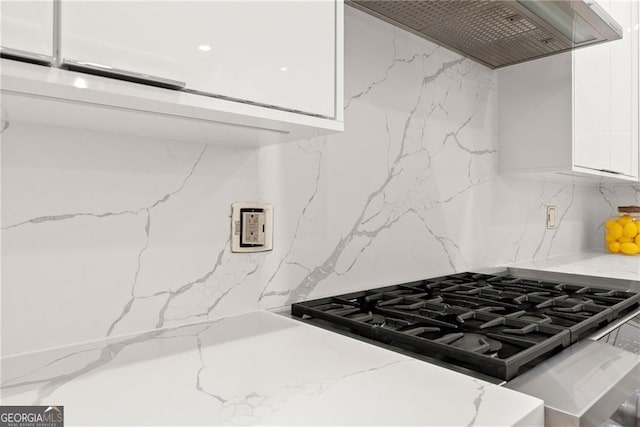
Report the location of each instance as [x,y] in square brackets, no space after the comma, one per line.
[249,72]
[592,107]
[606,98]
[624,56]
[27,26]
[275,53]
[280,53]
[575,112]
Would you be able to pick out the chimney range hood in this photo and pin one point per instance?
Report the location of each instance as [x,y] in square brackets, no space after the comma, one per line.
[498,33]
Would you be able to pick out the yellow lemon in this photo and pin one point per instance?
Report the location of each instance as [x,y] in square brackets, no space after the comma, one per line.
[629,248]
[609,238]
[625,240]
[616,230]
[630,229]
[625,219]
[637,240]
[609,223]
[614,247]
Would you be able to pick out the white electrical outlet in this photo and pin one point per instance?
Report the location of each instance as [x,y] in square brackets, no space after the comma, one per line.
[552,217]
[251,227]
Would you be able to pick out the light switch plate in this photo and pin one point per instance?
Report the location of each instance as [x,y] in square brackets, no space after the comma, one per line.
[552,217]
[251,227]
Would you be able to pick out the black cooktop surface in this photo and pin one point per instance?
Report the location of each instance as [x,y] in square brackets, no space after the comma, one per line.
[495,324]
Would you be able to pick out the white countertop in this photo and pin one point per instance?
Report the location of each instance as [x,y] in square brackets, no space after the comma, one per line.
[591,263]
[264,368]
[256,368]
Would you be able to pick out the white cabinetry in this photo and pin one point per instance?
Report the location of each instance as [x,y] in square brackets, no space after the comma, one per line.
[576,112]
[251,72]
[26,28]
[275,53]
[606,98]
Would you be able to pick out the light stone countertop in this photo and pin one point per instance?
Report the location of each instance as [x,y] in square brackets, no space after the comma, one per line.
[255,368]
[590,263]
[262,368]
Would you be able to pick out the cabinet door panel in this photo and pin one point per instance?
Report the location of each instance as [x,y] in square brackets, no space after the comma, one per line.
[606,97]
[623,56]
[141,37]
[27,25]
[273,52]
[279,53]
[591,107]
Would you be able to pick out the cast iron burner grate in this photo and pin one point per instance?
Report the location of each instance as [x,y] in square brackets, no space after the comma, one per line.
[497,325]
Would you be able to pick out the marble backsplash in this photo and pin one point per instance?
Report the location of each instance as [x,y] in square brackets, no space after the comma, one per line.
[107,234]
[611,196]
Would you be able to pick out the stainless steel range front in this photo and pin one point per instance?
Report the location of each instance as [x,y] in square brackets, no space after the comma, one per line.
[627,337]
[527,333]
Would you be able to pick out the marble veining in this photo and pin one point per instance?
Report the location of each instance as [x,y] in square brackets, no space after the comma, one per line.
[62,217]
[384,78]
[106,235]
[285,259]
[360,227]
[613,195]
[226,373]
[477,402]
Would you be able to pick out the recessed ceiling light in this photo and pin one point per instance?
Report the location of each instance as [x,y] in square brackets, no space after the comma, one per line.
[283,68]
[204,47]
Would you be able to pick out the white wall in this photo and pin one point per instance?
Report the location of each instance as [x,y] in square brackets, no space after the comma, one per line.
[105,234]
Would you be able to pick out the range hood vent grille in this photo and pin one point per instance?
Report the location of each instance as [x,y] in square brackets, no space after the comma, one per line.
[493,32]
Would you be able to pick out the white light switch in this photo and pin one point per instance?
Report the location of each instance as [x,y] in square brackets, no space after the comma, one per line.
[552,217]
[251,227]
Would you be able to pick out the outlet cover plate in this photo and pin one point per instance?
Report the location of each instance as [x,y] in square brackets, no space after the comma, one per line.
[251,227]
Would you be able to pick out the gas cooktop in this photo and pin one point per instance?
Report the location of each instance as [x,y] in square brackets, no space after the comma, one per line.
[498,325]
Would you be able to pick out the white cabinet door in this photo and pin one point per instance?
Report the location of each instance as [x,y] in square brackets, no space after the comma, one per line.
[591,107]
[624,89]
[142,38]
[273,52]
[279,53]
[27,26]
[605,98]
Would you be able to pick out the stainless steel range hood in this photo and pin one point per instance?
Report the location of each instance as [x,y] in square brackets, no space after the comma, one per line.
[498,33]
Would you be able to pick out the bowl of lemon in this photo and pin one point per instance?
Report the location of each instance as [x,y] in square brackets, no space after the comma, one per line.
[622,233]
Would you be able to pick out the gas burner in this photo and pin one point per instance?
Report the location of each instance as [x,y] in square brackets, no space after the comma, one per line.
[473,342]
[499,325]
